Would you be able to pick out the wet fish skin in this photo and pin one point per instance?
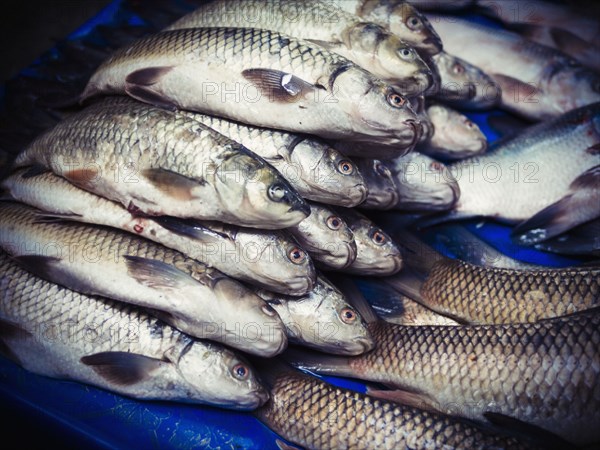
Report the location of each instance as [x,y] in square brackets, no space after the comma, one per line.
[296,85]
[465,85]
[382,189]
[367,44]
[524,371]
[455,136]
[191,296]
[326,237]
[247,254]
[58,334]
[316,170]
[322,319]
[317,415]
[163,163]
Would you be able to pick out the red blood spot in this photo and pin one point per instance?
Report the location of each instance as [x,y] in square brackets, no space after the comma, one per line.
[138,228]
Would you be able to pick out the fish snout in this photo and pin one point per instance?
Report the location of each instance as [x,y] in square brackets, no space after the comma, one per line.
[296,203]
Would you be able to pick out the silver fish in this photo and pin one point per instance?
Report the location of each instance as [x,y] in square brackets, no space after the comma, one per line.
[383,192]
[260,77]
[316,170]
[322,319]
[537,82]
[196,299]
[424,184]
[269,259]
[164,163]
[52,331]
[326,238]
[454,136]
[367,44]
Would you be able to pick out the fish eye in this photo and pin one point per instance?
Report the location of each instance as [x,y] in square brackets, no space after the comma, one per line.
[345,167]
[268,310]
[382,170]
[378,237]
[406,53]
[470,125]
[297,255]
[348,315]
[334,222]
[414,23]
[396,100]
[241,371]
[276,192]
[458,69]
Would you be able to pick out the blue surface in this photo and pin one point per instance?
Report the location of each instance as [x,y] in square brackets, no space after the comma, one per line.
[95,418]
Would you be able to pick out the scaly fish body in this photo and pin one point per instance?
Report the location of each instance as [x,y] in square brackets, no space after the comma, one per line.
[262,258]
[195,298]
[536,81]
[260,77]
[52,331]
[317,171]
[326,237]
[382,189]
[367,44]
[322,319]
[163,163]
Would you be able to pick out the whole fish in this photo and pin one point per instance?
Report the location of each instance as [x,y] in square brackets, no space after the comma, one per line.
[464,85]
[326,237]
[191,296]
[423,183]
[546,374]
[316,170]
[552,168]
[455,136]
[163,163]
[322,319]
[269,259]
[376,253]
[537,82]
[474,294]
[381,187]
[260,77]
[401,18]
[52,331]
[367,44]
[317,415]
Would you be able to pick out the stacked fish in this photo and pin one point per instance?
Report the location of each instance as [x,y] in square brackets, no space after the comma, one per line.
[204,204]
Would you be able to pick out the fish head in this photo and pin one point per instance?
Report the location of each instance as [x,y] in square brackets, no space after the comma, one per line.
[383,192]
[332,175]
[258,194]
[379,113]
[278,262]
[425,184]
[335,238]
[576,86]
[392,59]
[411,26]
[456,131]
[220,376]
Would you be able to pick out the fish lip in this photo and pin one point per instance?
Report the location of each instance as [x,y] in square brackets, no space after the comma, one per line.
[362,189]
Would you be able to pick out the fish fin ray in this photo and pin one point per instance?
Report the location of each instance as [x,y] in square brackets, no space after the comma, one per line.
[185,227]
[148,76]
[122,368]
[40,265]
[514,87]
[49,217]
[33,171]
[172,184]
[277,85]
[318,363]
[157,274]
[147,95]
[569,42]
[405,397]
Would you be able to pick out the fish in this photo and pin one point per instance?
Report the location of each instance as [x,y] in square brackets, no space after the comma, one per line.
[455,136]
[473,294]
[465,85]
[162,163]
[317,171]
[270,259]
[551,167]
[190,296]
[423,183]
[546,374]
[322,320]
[401,18]
[326,237]
[537,82]
[316,414]
[367,44]
[259,77]
[53,331]
[376,252]
[381,187]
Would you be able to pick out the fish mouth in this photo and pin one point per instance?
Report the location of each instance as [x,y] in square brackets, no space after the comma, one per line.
[354,196]
[416,130]
[360,345]
[433,43]
[300,206]
[397,263]
[300,286]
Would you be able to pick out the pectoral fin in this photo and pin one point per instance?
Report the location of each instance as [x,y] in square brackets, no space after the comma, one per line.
[139,84]
[173,184]
[11,331]
[157,274]
[34,171]
[415,399]
[122,368]
[278,86]
[186,227]
[515,89]
[568,42]
[46,217]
